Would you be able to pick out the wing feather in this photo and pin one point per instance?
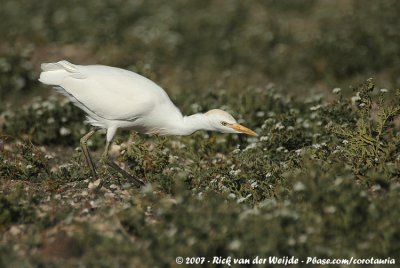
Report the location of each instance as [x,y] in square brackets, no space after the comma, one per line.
[109,92]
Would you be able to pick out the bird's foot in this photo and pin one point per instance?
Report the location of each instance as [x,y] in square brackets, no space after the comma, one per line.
[103,161]
[137,182]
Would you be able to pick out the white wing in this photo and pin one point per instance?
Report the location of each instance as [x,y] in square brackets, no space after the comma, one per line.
[108,92]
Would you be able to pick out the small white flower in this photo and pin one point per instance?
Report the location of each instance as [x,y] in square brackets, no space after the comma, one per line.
[302,239]
[384,90]
[65,166]
[269,174]
[64,131]
[376,188]
[234,172]
[330,209]
[336,90]
[313,115]
[260,114]
[338,181]
[242,199]
[264,138]
[355,98]
[236,151]
[36,106]
[316,107]
[362,104]
[299,186]
[316,146]
[250,146]
[234,245]
[345,141]
[279,126]
[147,189]
[232,195]
[48,105]
[29,166]
[50,120]
[291,241]
[195,107]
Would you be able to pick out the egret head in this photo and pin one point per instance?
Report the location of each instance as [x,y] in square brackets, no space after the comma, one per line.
[224,122]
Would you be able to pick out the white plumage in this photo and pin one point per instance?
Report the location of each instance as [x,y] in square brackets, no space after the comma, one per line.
[112,97]
[116,98]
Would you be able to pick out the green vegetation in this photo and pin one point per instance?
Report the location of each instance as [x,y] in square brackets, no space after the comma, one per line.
[322,178]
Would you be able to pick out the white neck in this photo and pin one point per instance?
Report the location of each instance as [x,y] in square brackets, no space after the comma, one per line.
[189,124]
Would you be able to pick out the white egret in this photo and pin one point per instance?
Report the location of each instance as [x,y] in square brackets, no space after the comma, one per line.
[115,98]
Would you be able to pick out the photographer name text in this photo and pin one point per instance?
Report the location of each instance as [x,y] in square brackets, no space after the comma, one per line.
[286,260]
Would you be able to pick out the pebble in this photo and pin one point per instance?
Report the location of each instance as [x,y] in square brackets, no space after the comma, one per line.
[109,195]
[94,184]
[14,230]
[113,186]
[94,204]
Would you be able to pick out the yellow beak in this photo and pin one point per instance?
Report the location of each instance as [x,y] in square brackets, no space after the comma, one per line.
[243,129]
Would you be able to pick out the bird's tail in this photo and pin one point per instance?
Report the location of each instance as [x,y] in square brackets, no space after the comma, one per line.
[61,65]
[53,73]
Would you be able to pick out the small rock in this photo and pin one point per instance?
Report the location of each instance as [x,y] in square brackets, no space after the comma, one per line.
[94,184]
[126,186]
[299,186]
[53,169]
[15,230]
[113,186]
[114,150]
[94,203]
[109,195]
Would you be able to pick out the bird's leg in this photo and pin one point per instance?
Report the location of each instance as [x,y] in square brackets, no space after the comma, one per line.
[138,183]
[104,156]
[126,175]
[86,153]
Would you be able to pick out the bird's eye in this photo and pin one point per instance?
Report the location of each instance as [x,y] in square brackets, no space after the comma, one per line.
[224,123]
